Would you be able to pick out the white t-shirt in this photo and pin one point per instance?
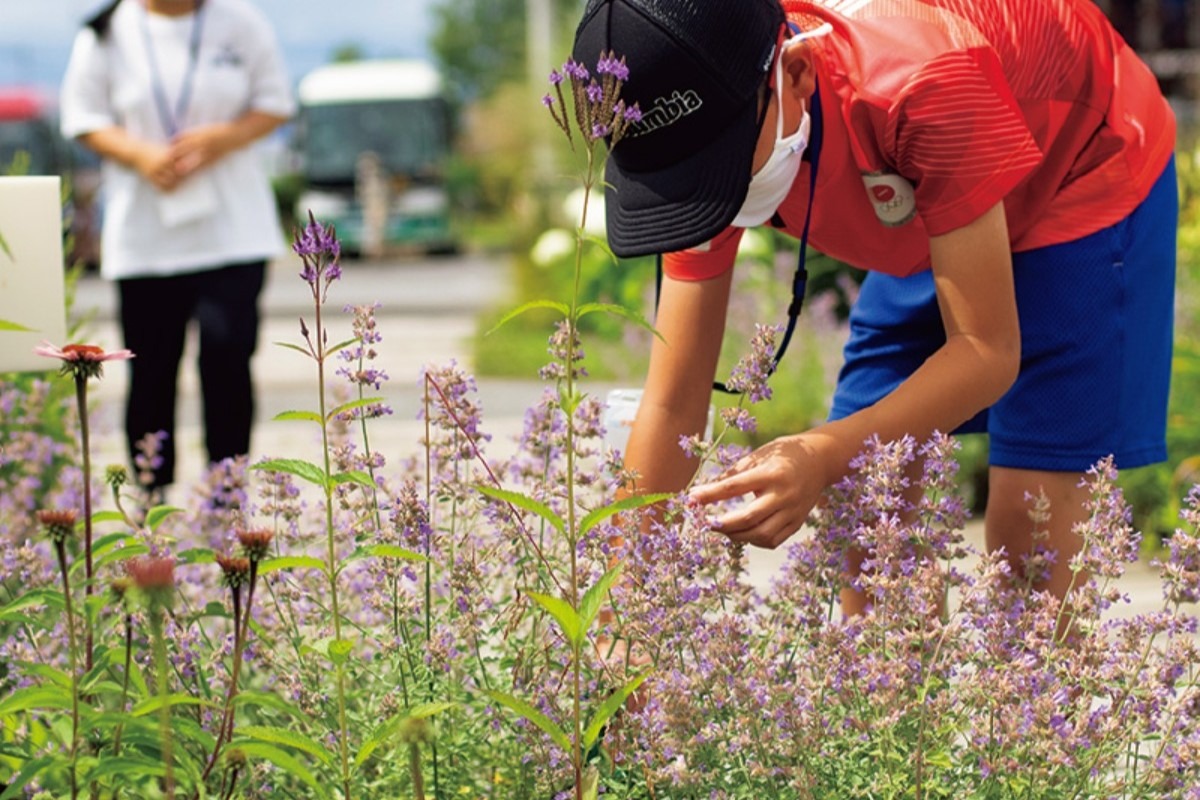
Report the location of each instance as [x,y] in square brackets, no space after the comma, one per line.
[223,215]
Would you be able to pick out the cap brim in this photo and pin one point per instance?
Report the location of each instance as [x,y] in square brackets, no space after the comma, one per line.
[685,204]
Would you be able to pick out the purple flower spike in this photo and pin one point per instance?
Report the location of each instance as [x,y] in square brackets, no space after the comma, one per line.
[599,131]
[576,70]
[594,93]
[547,101]
[633,113]
[556,77]
[610,65]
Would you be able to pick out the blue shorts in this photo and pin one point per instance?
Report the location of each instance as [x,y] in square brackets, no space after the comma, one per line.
[1097,318]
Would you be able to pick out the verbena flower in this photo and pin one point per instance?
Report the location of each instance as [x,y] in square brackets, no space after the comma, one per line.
[598,111]
[81,360]
[320,251]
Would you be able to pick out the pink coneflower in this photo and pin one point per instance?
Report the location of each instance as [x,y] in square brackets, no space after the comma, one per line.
[58,524]
[257,543]
[81,359]
[155,577]
[234,571]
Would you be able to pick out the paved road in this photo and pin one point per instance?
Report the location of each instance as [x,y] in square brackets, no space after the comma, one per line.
[427,316]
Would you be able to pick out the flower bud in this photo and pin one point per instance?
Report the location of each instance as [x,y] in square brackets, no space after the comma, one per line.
[256,543]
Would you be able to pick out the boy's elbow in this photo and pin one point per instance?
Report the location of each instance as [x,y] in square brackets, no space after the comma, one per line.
[1006,363]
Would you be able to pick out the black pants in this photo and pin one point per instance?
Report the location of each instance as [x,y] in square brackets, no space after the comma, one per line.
[155,313]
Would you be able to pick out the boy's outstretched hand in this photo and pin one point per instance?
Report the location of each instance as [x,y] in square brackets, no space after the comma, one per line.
[786,478]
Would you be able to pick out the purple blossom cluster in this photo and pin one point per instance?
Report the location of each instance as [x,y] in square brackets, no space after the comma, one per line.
[598,110]
[959,680]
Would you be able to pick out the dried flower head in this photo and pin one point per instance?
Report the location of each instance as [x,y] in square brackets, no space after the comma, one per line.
[235,758]
[155,577]
[59,525]
[235,571]
[256,543]
[81,360]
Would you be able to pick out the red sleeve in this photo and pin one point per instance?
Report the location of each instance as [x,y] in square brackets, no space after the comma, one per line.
[958,133]
[705,261]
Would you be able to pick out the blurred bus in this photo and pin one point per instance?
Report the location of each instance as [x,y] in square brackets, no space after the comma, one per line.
[373,137]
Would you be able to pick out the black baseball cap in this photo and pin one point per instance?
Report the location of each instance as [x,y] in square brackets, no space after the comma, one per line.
[679,176]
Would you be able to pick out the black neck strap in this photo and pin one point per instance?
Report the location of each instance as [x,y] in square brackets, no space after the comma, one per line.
[800,277]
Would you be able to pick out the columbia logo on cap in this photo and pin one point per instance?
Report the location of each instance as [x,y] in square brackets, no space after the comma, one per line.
[666,111]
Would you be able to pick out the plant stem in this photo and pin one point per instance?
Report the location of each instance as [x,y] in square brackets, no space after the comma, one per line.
[414,764]
[164,712]
[124,684]
[332,566]
[60,549]
[85,446]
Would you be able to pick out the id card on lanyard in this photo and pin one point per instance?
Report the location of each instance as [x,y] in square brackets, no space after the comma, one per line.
[196,197]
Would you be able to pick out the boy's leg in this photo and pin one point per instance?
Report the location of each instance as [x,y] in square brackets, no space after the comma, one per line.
[1009,525]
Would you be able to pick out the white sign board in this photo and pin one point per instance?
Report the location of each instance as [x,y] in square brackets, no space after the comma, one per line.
[31,271]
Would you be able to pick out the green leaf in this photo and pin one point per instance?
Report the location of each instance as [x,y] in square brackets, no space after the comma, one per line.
[353,404]
[289,738]
[340,346]
[304,416]
[178,699]
[122,554]
[356,477]
[156,515]
[14,327]
[601,243]
[598,515]
[28,772]
[339,650]
[103,546]
[251,697]
[106,516]
[609,707]
[292,466]
[35,697]
[525,502]
[530,713]
[282,759]
[50,598]
[196,555]
[290,562]
[388,551]
[4,248]
[618,311]
[561,308]
[589,606]
[393,725]
[51,674]
[127,767]
[296,347]
[568,619]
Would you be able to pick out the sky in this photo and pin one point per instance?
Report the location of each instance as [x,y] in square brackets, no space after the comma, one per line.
[36,35]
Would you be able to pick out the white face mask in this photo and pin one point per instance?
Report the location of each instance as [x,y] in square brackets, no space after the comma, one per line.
[771,184]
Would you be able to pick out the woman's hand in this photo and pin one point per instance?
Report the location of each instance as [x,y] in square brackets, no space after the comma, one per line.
[197,148]
[786,478]
[156,164]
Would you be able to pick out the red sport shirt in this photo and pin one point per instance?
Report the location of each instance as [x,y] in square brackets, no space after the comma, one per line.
[935,110]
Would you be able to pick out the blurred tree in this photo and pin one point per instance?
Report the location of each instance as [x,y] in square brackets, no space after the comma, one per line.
[349,51]
[481,44]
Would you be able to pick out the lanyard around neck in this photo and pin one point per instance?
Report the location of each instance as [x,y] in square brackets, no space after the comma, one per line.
[173,121]
[800,277]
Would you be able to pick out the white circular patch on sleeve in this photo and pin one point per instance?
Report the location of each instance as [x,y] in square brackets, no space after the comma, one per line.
[893,197]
